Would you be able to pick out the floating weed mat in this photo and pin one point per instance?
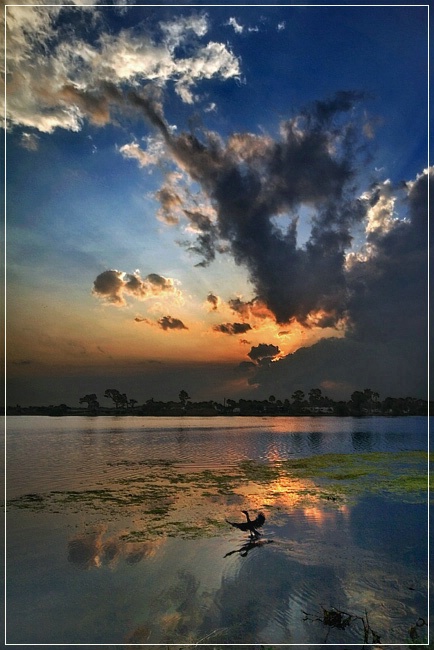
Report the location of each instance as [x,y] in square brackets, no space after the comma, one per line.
[162,499]
[400,474]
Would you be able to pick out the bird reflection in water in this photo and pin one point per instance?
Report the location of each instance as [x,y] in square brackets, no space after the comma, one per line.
[251,543]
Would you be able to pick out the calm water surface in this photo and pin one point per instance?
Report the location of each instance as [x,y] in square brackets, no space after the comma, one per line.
[116,529]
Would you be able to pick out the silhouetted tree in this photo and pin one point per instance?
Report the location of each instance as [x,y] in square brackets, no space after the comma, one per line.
[315,396]
[184,397]
[298,396]
[371,395]
[91,401]
[364,401]
[118,398]
[357,400]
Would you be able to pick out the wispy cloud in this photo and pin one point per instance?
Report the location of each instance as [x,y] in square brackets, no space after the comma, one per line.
[152,155]
[59,79]
[30,141]
[233,22]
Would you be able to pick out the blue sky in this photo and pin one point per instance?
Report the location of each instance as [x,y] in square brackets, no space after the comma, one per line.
[229,200]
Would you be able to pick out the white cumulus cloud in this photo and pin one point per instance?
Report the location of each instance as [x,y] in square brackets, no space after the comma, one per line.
[57,79]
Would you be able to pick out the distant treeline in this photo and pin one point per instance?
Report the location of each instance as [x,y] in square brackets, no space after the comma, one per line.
[366,402]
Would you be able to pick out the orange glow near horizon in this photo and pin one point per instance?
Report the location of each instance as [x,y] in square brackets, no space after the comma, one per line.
[65,337]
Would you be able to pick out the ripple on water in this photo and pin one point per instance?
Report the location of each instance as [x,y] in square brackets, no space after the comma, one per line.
[175,588]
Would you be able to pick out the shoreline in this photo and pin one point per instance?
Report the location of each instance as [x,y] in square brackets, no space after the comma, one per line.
[85,413]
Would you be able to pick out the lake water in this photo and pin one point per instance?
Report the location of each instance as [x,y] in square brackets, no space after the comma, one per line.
[116,530]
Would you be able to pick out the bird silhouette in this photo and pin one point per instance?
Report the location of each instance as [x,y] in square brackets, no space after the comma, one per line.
[249,525]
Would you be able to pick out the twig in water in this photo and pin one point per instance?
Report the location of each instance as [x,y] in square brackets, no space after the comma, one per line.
[339,619]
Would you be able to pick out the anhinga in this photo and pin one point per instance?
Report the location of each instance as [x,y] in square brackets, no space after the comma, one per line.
[249,525]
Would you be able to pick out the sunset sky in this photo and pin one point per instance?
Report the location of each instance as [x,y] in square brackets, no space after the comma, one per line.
[226,200]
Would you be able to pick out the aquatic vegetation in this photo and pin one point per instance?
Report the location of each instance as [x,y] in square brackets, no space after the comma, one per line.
[340,619]
[173,502]
[259,472]
[31,501]
[401,474]
[336,618]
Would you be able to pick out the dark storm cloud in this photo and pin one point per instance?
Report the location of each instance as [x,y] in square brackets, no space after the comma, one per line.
[263,351]
[232,328]
[343,100]
[169,323]
[247,366]
[206,241]
[253,179]
[387,347]
[149,103]
[389,290]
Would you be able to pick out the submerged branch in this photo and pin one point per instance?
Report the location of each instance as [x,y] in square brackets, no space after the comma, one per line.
[340,619]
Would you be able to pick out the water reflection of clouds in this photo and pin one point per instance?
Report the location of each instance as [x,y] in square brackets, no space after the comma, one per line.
[183,603]
[261,598]
[178,589]
[320,517]
[92,549]
[287,495]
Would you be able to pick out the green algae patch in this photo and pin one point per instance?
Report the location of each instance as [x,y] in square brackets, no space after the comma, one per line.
[258,472]
[176,528]
[408,484]
[399,474]
[164,500]
[31,501]
[217,480]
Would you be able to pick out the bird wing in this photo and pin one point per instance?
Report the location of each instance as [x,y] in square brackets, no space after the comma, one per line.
[259,521]
[242,526]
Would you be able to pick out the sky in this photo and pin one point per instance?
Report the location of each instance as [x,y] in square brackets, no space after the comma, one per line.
[227,200]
